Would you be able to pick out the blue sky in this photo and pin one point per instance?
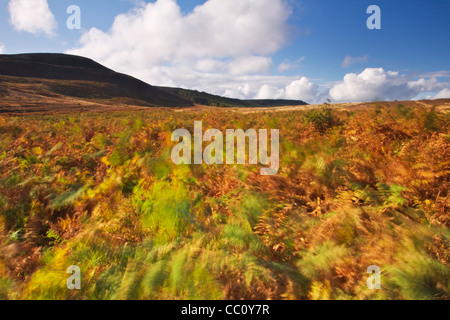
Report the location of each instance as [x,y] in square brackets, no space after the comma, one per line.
[309,49]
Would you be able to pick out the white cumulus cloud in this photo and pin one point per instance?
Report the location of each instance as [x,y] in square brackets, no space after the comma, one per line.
[210,48]
[2,49]
[443,94]
[225,48]
[239,32]
[270,92]
[292,89]
[378,84]
[250,65]
[302,89]
[33,16]
[288,65]
[424,85]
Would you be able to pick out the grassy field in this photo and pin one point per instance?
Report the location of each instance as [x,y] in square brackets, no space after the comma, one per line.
[356,187]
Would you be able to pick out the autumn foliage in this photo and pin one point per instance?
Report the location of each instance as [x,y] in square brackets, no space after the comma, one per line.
[355,188]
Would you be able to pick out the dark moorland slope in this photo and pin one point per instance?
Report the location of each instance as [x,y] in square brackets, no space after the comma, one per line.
[42,82]
[83,78]
[211,100]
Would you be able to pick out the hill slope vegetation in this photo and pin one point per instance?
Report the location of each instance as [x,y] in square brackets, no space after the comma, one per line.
[56,82]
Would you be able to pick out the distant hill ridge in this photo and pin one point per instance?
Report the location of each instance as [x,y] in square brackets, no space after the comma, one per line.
[41,60]
[81,77]
[208,99]
[74,68]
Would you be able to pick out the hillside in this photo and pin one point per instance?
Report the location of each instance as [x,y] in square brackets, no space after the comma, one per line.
[36,82]
[211,100]
[49,82]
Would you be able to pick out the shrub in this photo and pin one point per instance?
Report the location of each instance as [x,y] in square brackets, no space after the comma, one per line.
[321,119]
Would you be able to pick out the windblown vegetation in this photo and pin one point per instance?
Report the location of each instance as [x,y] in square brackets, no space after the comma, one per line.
[355,189]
